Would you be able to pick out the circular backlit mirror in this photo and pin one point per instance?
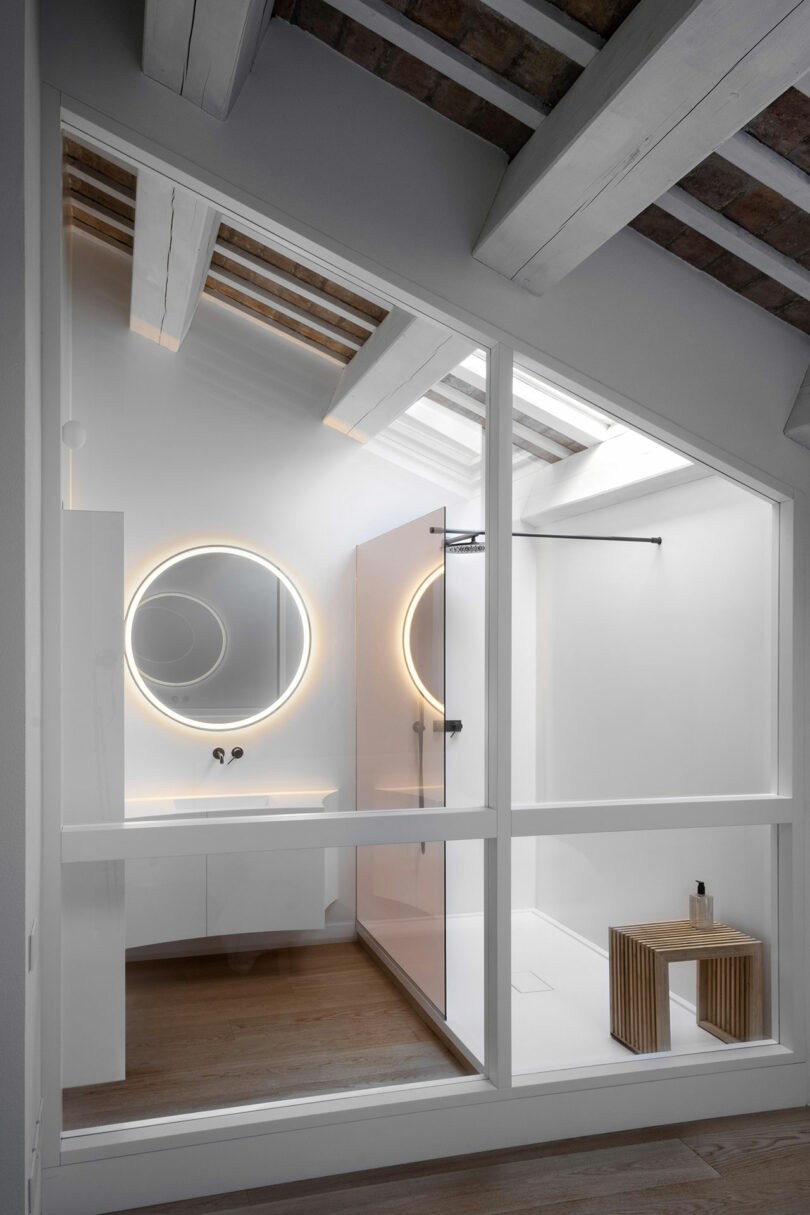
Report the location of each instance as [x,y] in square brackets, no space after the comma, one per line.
[217,637]
[423,638]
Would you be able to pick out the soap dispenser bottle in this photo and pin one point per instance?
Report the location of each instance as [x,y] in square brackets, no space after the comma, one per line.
[701,907]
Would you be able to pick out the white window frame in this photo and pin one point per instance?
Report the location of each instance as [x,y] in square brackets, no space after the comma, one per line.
[496,823]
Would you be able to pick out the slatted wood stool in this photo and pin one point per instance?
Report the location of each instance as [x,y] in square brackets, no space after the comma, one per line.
[729,982]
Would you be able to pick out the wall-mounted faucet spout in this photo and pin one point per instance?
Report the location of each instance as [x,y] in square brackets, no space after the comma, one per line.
[219,753]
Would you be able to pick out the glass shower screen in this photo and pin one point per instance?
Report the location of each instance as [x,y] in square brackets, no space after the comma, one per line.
[401,745]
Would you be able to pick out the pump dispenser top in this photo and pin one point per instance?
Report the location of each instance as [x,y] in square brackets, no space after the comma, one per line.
[701,907]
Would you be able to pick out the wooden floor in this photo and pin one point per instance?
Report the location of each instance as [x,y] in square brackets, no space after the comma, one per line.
[758,1163]
[203,1033]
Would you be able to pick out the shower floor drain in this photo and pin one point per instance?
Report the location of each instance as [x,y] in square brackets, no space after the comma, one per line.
[526,981]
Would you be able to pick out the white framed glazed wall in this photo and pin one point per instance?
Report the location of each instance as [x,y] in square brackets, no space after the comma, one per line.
[97,1171]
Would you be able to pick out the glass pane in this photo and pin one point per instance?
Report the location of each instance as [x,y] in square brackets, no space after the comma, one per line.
[400,741]
[596,915]
[231,993]
[400,667]
[640,669]
[235,556]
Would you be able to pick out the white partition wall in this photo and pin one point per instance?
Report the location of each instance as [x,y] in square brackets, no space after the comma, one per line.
[93,925]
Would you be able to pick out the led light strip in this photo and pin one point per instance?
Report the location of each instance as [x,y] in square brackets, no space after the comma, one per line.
[231,551]
[406,637]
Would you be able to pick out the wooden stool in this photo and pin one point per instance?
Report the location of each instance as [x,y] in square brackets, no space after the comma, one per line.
[729,982]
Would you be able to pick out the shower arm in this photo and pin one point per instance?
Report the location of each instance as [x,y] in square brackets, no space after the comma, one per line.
[465,537]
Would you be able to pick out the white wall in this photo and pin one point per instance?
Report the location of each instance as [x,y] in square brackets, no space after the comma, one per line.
[590,882]
[655,668]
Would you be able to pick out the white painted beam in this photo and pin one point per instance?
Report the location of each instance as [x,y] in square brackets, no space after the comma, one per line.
[736,240]
[673,82]
[624,467]
[113,189]
[396,366]
[175,232]
[797,426]
[98,211]
[203,49]
[296,285]
[378,16]
[291,310]
[519,430]
[552,26]
[803,84]
[769,167]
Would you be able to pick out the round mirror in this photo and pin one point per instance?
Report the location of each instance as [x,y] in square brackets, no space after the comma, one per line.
[423,638]
[217,637]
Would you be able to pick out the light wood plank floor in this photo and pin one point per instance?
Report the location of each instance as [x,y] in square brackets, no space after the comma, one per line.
[316,1019]
[757,1164]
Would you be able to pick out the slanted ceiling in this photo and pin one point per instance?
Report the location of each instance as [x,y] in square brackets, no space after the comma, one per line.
[490,40]
[730,216]
[265,283]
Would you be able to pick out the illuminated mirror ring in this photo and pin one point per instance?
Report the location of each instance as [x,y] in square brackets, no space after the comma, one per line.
[407,632]
[215,616]
[246,678]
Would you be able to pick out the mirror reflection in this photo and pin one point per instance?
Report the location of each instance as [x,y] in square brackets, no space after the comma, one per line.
[217,637]
[423,638]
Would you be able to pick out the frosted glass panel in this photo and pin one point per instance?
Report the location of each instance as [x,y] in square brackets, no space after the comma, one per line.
[400,742]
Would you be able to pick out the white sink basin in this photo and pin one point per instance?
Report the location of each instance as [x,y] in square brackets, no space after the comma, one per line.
[310,800]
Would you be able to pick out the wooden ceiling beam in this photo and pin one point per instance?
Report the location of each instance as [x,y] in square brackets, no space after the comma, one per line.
[246,287]
[519,429]
[296,285]
[768,167]
[552,26]
[736,240]
[91,177]
[79,202]
[203,49]
[397,365]
[803,84]
[175,232]
[673,82]
[267,322]
[428,47]
[797,426]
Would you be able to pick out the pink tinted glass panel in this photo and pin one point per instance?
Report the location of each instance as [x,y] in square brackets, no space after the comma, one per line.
[400,755]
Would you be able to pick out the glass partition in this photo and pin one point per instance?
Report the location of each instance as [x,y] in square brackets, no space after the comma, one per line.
[606,965]
[401,742]
[230,993]
[644,614]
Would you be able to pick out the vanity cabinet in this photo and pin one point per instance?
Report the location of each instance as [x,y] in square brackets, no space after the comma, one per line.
[224,893]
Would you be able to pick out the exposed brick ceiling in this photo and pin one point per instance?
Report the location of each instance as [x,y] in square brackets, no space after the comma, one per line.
[545,73]
[785,128]
[602,16]
[472,28]
[100,199]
